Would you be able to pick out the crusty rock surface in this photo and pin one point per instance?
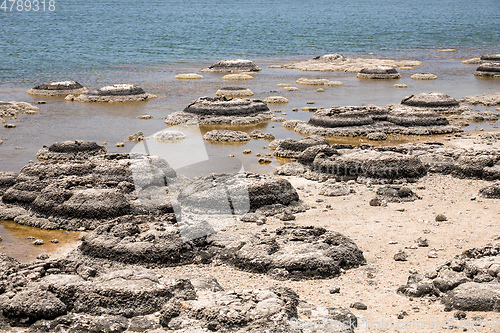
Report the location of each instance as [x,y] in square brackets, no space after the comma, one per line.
[469,282]
[235,65]
[58,88]
[188,76]
[488,69]
[79,185]
[221,110]
[168,135]
[290,148]
[226,136]
[487,99]
[491,191]
[365,120]
[379,73]
[424,76]
[339,63]
[318,82]
[11,109]
[396,193]
[437,102]
[114,93]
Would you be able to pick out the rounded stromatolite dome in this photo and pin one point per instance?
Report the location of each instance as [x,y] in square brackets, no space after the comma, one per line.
[424,76]
[58,88]
[341,117]
[234,65]
[221,110]
[226,136]
[234,92]
[379,73]
[408,117]
[488,69]
[437,102]
[114,93]
[490,58]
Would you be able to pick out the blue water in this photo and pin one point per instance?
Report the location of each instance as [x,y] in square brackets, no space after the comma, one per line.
[89,36]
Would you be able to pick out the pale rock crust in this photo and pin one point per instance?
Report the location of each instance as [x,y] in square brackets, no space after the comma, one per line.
[339,63]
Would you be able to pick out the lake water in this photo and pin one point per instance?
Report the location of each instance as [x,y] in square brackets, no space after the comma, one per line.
[148,42]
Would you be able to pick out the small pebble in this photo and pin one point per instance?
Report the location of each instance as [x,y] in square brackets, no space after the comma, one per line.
[441,217]
[310,102]
[55,241]
[38,242]
[120,145]
[358,306]
[320,90]
[334,290]
[402,314]
[460,315]
[247,151]
[422,242]
[432,255]
[401,256]
[41,102]
[43,256]
[231,155]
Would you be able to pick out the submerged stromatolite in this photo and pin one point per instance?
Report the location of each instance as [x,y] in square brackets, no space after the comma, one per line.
[114,93]
[58,88]
[221,110]
[234,92]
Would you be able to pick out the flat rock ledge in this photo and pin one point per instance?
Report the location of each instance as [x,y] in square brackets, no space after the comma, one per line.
[12,109]
[221,110]
[114,93]
[340,63]
[76,294]
[231,66]
[226,136]
[379,73]
[234,92]
[488,69]
[188,76]
[318,82]
[468,282]
[289,148]
[408,161]
[58,88]
[424,76]
[487,99]
[368,120]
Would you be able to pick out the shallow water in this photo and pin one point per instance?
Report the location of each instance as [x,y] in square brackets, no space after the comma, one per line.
[16,244]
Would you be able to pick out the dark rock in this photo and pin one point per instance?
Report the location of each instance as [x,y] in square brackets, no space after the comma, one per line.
[290,148]
[222,110]
[59,88]
[71,150]
[460,315]
[437,102]
[491,192]
[334,290]
[396,193]
[359,306]
[305,252]
[401,256]
[488,69]
[474,296]
[417,286]
[379,73]
[422,242]
[235,65]
[441,218]
[490,58]
[309,154]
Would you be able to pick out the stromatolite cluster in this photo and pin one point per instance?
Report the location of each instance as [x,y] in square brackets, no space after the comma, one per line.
[233,65]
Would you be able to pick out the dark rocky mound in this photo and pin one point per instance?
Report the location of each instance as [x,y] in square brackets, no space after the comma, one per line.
[114,93]
[469,282]
[70,150]
[290,252]
[437,102]
[411,160]
[488,69]
[396,193]
[491,192]
[80,187]
[290,148]
[367,120]
[222,110]
[379,73]
[59,88]
[490,58]
[230,66]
